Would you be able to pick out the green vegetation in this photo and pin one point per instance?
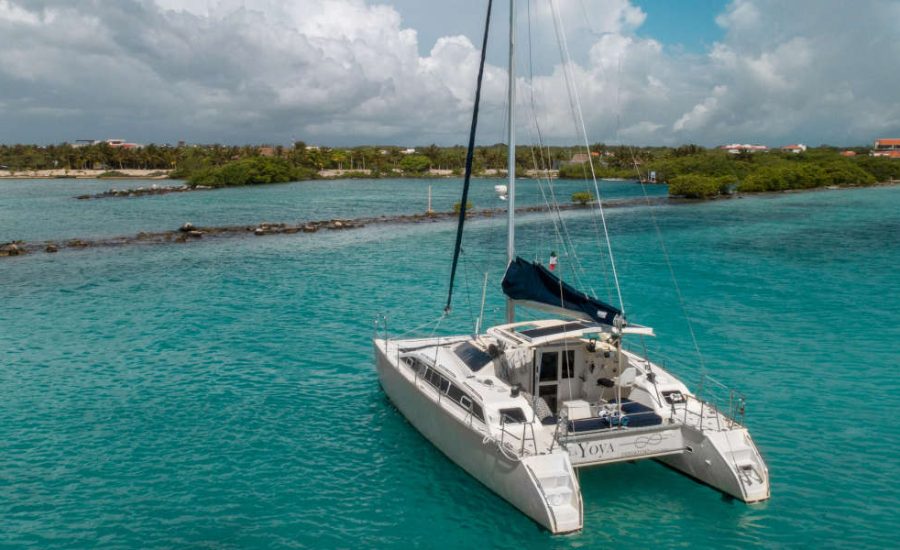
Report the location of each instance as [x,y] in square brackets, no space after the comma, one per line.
[252,171]
[582,197]
[884,169]
[783,176]
[417,164]
[707,174]
[113,174]
[695,186]
[691,170]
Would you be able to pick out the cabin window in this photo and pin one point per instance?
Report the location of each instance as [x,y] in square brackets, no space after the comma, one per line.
[478,411]
[465,402]
[433,378]
[414,364]
[549,362]
[454,392]
[512,415]
[568,364]
[457,395]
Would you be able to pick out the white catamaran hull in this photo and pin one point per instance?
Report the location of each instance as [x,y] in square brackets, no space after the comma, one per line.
[530,483]
[726,460]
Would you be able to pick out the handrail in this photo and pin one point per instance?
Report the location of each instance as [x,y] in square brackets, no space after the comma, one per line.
[701,416]
[563,420]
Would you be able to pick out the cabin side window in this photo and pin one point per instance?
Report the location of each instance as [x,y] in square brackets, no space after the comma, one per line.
[454,392]
[433,378]
[414,364]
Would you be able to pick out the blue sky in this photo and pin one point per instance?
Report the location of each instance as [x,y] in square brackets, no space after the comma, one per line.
[687,23]
[346,72]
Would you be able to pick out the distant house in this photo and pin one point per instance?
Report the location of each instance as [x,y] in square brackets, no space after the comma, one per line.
[121,143]
[848,153]
[887,147]
[408,151]
[796,148]
[84,142]
[266,151]
[736,148]
[579,158]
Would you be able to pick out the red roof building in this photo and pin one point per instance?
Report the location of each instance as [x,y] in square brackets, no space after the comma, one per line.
[887,147]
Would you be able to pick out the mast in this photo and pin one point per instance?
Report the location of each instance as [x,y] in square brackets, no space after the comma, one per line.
[470,154]
[511,155]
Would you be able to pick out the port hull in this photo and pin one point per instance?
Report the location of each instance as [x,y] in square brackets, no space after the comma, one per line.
[464,445]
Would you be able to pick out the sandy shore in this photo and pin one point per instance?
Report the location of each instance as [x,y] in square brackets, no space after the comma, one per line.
[61,173]
[82,174]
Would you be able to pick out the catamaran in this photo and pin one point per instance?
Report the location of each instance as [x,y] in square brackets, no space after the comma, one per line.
[524,405]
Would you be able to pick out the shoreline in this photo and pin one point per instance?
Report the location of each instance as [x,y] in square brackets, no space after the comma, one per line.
[326,174]
[63,173]
[842,187]
[190,233]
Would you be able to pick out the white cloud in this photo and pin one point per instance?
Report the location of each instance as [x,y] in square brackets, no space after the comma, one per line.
[348,71]
[702,113]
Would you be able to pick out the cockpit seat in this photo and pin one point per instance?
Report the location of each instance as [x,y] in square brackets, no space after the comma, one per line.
[634,415]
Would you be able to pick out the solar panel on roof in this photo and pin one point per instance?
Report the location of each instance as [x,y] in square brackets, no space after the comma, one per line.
[556,329]
[473,357]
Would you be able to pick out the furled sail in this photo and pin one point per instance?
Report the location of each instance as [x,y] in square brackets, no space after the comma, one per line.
[534,285]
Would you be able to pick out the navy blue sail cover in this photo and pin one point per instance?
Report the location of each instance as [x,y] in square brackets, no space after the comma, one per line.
[533,282]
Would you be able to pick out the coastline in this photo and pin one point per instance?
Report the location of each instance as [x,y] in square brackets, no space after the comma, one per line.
[678,199]
[63,173]
[327,174]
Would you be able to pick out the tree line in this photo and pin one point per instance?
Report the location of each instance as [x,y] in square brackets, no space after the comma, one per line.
[691,170]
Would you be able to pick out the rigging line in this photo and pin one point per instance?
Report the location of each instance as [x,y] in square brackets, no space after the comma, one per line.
[575,109]
[570,249]
[553,220]
[568,70]
[420,327]
[539,167]
[436,327]
[665,251]
[554,214]
[569,87]
[662,243]
[469,154]
[465,272]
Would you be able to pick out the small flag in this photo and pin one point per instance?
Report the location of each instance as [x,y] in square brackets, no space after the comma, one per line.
[553,261]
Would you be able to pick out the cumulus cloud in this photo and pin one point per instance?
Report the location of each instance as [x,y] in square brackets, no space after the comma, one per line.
[350,71]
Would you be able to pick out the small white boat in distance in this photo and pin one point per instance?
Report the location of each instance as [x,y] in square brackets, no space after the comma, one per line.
[502,191]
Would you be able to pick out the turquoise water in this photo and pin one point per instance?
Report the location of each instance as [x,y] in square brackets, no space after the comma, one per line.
[222,393]
[43,210]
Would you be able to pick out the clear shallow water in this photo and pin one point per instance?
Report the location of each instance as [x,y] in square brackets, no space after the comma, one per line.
[46,209]
[223,393]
